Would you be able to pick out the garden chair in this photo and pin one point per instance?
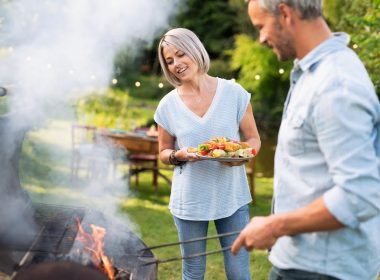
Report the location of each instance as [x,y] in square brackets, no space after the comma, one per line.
[144,159]
[87,155]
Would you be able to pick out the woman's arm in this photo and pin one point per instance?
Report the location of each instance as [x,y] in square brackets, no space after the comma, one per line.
[166,147]
[249,129]
[165,144]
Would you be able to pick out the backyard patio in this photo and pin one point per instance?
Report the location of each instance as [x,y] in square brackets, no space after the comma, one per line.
[46,176]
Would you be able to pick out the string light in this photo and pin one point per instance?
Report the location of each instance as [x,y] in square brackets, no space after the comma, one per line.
[114,81]
[257,77]
[160,85]
[281,71]
[137,84]
[233,80]
[355,46]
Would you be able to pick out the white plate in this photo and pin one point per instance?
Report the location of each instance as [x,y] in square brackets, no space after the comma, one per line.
[225,159]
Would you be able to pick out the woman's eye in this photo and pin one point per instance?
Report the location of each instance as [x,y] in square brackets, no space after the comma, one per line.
[168,62]
[180,54]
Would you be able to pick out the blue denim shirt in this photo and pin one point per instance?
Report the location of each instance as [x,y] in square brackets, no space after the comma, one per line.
[329,146]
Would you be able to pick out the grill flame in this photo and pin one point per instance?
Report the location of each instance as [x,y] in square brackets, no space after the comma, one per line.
[93,244]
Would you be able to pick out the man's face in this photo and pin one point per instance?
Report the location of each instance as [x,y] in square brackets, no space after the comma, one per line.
[272,32]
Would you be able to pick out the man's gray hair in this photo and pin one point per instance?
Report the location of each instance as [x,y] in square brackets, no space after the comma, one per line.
[309,9]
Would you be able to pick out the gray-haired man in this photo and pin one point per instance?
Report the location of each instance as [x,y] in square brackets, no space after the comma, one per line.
[326,221]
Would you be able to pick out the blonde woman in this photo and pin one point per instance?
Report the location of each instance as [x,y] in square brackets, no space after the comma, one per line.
[199,108]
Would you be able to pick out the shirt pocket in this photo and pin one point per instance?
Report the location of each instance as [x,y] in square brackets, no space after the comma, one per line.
[295,139]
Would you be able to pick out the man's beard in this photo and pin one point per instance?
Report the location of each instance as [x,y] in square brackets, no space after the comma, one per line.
[286,51]
[284,45]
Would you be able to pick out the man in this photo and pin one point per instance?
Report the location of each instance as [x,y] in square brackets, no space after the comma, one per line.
[326,220]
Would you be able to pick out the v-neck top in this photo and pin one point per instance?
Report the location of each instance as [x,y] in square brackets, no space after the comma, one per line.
[189,111]
[206,190]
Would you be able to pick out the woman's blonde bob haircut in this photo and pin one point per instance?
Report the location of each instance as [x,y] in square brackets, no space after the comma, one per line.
[185,40]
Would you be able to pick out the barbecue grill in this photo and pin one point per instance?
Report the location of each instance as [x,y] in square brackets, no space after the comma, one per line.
[41,234]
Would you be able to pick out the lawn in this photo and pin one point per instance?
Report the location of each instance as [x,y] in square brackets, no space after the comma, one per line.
[46,175]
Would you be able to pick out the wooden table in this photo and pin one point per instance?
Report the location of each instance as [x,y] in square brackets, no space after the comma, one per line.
[141,149]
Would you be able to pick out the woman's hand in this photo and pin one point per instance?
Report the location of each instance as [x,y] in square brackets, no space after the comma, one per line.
[184,155]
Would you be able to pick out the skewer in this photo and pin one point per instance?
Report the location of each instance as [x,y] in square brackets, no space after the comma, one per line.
[157,261]
[191,240]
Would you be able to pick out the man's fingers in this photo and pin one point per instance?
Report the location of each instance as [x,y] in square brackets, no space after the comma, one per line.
[237,244]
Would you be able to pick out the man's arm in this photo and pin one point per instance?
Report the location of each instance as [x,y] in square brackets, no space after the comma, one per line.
[263,232]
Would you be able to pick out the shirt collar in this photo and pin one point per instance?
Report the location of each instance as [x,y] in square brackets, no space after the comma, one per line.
[338,41]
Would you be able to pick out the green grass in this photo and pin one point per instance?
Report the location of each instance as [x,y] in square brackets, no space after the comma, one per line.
[46,176]
[150,211]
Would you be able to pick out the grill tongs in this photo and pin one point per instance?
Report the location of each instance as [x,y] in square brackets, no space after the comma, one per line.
[150,260]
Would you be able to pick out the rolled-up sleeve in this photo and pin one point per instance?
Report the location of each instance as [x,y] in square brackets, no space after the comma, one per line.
[346,119]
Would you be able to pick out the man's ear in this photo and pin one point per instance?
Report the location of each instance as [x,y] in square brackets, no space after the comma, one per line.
[286,13]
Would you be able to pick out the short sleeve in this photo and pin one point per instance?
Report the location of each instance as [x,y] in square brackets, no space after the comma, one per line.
[161,116]
[244,99]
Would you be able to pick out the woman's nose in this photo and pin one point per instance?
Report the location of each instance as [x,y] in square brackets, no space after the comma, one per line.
[175,61]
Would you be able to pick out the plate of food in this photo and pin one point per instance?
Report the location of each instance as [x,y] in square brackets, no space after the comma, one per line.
[224,149]
[225,159]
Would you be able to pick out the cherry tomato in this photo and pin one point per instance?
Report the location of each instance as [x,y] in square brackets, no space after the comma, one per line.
[221,147]
[213,146]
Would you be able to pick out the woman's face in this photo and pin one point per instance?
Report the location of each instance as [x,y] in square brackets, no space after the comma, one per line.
[179,63]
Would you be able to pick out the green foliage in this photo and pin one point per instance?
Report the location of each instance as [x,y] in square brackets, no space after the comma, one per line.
[149,86]
[259,73]
[333,11]
[243,22]
[361,19]
[115,109]
[105,109]
[45,173]
[366,36]
[213,21]
[221,68]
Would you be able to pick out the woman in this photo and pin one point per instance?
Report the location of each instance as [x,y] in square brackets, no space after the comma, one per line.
[199,108]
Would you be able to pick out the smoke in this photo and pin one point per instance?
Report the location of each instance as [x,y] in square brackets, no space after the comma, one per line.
[53,52]
[57,50]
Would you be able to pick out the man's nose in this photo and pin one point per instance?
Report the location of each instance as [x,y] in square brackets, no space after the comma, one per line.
[263,39]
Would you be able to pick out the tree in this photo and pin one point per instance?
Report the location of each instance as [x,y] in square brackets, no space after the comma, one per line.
[215,23]
[264,76]
[361,19]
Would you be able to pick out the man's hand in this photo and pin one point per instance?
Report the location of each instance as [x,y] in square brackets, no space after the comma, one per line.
[258,234]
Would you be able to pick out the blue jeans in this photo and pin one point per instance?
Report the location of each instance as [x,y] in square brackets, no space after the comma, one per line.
[295,274]
[236,267]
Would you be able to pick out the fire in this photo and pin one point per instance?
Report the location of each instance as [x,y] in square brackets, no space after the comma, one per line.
[94,245]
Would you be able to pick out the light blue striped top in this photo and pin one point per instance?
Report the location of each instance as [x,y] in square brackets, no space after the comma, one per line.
[206,190]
